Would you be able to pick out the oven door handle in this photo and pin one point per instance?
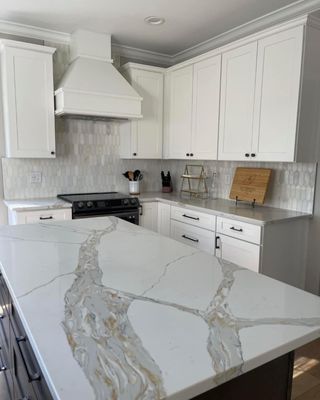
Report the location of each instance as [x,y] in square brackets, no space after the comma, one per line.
[141,209]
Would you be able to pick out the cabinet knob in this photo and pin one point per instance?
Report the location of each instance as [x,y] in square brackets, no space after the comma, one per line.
[134,154]
[188,154]
[191,154]
[53,153]
[253,155]
[247,155]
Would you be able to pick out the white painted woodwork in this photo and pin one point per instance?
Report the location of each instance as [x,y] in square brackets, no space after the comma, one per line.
[164,219]
[242,253]
[284,251]
[238,77]
[199,238]
[277,95]
[149,217]
[31,217]
[191,217]
[180,112]
[239,230]
[192,117]
[142,138]
[205,113]
[27,85]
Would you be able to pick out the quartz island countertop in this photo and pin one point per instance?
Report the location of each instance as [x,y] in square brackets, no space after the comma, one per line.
[113,310]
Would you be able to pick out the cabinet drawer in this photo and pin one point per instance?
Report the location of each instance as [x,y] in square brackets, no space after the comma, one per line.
[240,230]
[30,217]
[200,238]
[27,374]
[241,253]
[195,218]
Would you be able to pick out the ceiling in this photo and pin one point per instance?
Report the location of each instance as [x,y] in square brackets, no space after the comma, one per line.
[188,22]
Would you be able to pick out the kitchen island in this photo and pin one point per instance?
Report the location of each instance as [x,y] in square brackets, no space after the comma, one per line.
[114,311]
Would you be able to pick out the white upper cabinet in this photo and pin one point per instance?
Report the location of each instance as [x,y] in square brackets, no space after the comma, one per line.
[277,95]
[270,97]
[237,102]
[192,119]
[28,99]
[143,138]
[179,116]
[205,116]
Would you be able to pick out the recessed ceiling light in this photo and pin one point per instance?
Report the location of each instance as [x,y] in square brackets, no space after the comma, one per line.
[154,20]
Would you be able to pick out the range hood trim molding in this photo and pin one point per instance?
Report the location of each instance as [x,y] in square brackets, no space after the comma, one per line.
[64,97]
[84,92]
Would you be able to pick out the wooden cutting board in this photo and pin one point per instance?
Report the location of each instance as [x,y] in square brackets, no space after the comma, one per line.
[250,184]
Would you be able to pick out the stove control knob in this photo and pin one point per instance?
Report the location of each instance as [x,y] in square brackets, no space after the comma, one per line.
[125,202]
[89,204]
[80,204]
[133,202]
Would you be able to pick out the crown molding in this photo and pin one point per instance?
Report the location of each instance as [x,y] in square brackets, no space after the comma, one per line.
[34,32]
[282,15]
[297,9]
[133,53]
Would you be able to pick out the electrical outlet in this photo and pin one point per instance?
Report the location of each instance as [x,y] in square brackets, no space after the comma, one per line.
[36,177]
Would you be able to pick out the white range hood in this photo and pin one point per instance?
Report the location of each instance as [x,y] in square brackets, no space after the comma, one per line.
[91,86]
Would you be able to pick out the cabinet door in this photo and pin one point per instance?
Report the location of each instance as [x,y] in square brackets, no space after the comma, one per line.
[180,112]
[164,219]
[147,132]
[277,95]
[149,217]
[237,102]
[205,117]
[28,103]
[241,253]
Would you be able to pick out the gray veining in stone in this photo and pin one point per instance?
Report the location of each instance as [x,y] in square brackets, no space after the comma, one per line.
[112,356]
[101,336]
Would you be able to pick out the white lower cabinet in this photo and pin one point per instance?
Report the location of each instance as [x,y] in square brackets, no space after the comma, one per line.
[200,238]
[237,251]
[194,228]
[164,219]
[31,217]
[274,249]
[149,216]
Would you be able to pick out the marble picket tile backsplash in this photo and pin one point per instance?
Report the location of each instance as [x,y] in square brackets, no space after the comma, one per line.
[88,160]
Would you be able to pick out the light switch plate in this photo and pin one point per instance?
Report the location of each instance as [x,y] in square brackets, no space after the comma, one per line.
[36,177]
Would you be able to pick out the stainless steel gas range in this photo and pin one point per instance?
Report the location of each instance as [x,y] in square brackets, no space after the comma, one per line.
[88,205]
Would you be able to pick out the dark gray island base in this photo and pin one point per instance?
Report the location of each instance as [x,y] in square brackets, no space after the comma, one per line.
[271,381]
[21,377]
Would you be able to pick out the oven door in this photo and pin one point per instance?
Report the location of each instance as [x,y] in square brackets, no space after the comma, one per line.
[130,216]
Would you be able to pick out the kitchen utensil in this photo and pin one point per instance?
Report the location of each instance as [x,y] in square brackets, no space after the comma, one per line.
[136,175]
[126,175]
[131,176]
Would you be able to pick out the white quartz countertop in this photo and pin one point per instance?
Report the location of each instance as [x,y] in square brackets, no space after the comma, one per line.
[114,311]
[47,203]
[259,215]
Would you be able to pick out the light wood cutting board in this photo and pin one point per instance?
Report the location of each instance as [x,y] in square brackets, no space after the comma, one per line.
[250,184]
